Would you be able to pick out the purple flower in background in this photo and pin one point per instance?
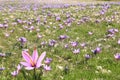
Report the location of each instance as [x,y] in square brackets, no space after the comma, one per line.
[83,45]
[15,73]
[47,68]
[87,56]
[22,40]
[2,68]
[32,61]
[111,31]
[117,56]
[66,46]
[31,28]
[2,55]
[61,26]
[47,61]
[76,51]
[52,42]
[61,37]
[58,18]
[74,43]
[97,50]
[43,43]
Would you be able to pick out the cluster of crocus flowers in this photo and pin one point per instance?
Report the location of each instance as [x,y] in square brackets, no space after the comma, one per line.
[47,63]
[111,32]
[32,62]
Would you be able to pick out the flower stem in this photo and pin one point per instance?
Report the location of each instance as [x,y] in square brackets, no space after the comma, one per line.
[35,78]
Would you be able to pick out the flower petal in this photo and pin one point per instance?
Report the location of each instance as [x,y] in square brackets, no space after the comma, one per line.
[29,68]
[25,64]
[35,55]
[40,59]
[27,57]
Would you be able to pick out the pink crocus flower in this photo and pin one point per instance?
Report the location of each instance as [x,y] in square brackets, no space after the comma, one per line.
[32,61]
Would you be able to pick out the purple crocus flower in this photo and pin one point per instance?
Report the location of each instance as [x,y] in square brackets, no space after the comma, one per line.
[111,31]
[83,45]
[32,61]
[58,18]
[43,43]
[52,42]
[117,56]
[74,43]
[22,40]
[66,46]
[76,51]
[47,61]
[15,73]
[97,50]
[61,37]
[87,56]
[47,68]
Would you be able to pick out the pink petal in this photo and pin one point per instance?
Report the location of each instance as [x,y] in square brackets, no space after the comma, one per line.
[27,57]
[29,68]
[25,64]
[42,56]
[35,55]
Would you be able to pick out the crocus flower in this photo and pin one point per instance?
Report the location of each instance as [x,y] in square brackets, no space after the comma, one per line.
[61,37]
[47,61]
[83,45]
[58,18]
[52,42]
[117,56]
[47,68]
[32,61]
[97,50]
[14,73]
[22,40]
[76,51]
[87,56]
[74,44]
[66,46]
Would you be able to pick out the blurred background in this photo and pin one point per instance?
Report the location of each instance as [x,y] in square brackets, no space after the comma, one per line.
[51,1]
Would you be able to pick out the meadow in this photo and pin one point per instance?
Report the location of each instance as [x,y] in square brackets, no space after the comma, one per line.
[76,41]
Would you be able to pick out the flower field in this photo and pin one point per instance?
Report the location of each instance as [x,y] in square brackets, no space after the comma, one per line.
[79,41]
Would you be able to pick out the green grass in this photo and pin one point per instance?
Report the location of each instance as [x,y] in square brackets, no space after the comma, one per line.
[78,69]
